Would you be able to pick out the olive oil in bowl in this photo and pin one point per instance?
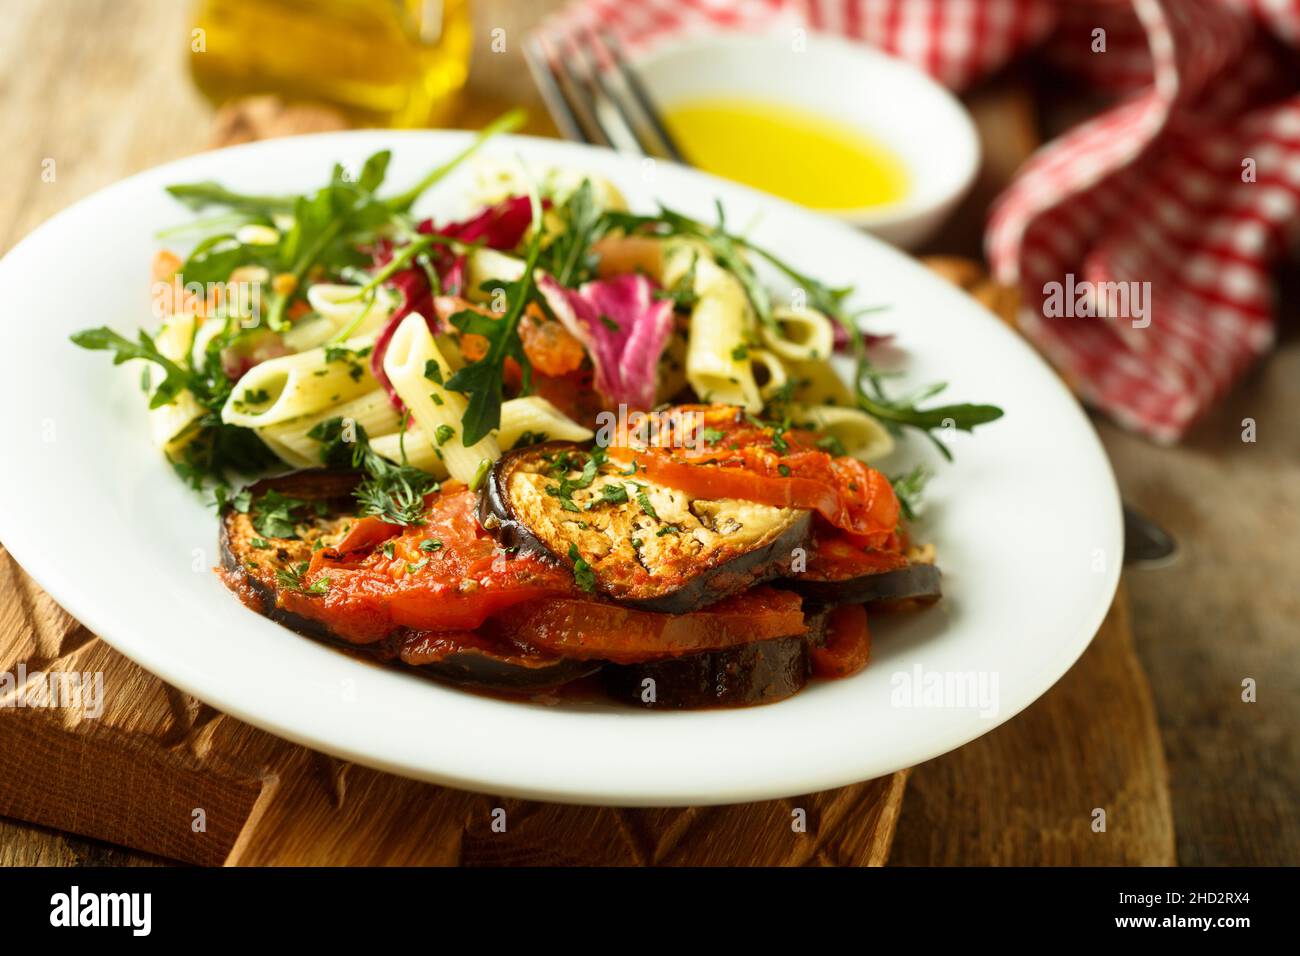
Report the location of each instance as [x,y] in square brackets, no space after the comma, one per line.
[813,160]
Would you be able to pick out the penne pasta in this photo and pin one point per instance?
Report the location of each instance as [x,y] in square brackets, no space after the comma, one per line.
[768,370]
[861,435]
[420,452]
[802,335]
[532,417]
[292,386]
[340,313]
[717,363]
[488,265]
[170,424]
[437,411]
[373,412]
[536,417]
[817,383]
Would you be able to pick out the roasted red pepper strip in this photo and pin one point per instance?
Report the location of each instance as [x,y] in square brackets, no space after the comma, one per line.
[847,645]
[589,630]
[444,575]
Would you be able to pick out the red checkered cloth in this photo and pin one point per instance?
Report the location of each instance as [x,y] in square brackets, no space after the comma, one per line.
[1189,183]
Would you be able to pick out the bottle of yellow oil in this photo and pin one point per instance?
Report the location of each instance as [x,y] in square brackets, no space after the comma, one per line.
[382,62]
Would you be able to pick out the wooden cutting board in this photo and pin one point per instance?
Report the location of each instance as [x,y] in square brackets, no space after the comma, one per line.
[162,773]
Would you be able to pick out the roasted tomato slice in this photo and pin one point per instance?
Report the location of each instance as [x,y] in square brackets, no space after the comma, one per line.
[584,629]
[836,557]
[444,575]
[736,456]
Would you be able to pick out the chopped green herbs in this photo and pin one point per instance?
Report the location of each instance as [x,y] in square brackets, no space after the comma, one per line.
[394,493]
[292,578]
[908,488]
[582,573]
[643,500]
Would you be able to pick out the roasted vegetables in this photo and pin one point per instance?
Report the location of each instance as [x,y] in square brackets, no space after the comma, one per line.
[840,571]
[631,539]
[684,579]
[270,538]
[760,672]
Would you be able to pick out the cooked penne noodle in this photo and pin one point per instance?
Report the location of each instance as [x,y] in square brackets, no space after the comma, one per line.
[535,416]
[373,412]
[801,335]
[420,452]
[292,386]
[532,416]
[487,265]
[717,364]
[170,424]
[817,383]
[773,375]
[861,435]
[340,312]
[435,409]
[286,452]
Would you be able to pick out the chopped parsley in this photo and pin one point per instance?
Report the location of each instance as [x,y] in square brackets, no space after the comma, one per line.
[644,501]
[582,573]
[277,516]
[292,579]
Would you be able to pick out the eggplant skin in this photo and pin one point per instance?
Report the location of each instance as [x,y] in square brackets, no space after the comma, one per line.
[763,672]
[250,572]
[679,556]
[920,583]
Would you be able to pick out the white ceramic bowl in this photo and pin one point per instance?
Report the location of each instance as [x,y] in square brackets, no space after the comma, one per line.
[889,100]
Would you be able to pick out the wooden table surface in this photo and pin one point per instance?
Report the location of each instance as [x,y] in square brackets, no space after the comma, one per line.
[99,88]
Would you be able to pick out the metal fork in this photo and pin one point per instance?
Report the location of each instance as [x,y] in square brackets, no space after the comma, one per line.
[595,96]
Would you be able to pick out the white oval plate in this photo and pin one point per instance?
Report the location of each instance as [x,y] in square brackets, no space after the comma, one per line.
[1027,520]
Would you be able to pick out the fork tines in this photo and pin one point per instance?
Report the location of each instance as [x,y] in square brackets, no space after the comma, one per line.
[594,95]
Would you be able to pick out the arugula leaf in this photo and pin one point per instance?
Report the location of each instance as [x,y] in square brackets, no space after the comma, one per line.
[105,339]
[208,193]
[482,381]
[568,256]
[503,124]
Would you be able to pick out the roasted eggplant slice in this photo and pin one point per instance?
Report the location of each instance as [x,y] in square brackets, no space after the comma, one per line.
[476,660]
[916,582]
[260,559]
[287,517]
[759,673]
[645,545]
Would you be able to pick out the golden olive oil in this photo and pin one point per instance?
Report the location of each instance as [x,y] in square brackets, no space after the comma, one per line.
[383,62]
[809,159]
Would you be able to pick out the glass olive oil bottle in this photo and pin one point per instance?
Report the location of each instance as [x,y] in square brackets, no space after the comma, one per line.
[383,62]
